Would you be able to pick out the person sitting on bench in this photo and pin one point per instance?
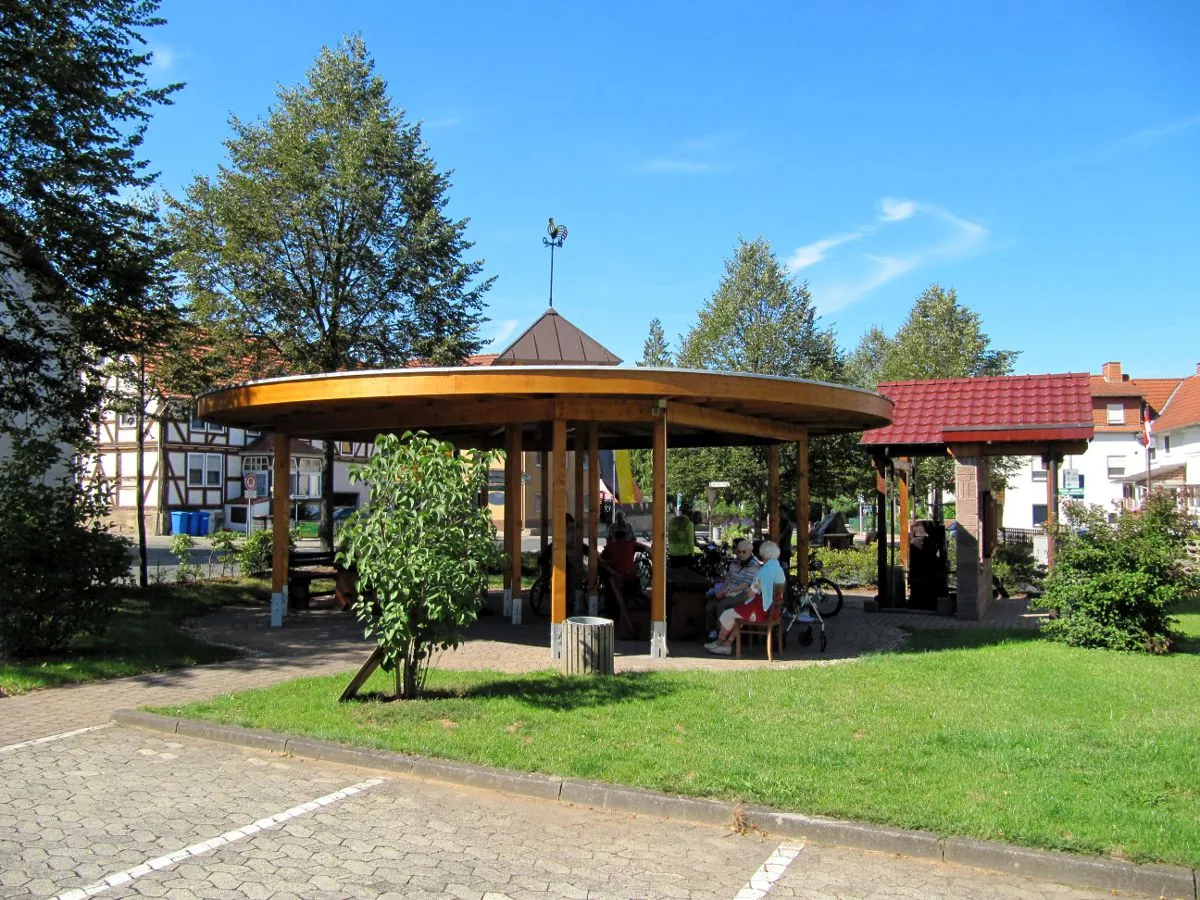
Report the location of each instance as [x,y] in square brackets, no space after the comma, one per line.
[768,590]
[620,554]
[735,589]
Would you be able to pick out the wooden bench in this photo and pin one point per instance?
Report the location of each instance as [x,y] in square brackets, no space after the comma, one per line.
[304,566]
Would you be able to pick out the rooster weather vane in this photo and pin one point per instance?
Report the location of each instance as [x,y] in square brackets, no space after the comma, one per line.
[558,234]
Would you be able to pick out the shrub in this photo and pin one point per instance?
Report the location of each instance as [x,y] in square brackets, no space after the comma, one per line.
[855,566]
[254,555]
[58,566]
[1113,584]
[1014,566]
[225,545]
[181,547]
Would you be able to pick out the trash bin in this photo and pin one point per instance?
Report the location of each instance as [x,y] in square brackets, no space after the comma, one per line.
[192,523]
[178,522]
[587,644]
[203,527]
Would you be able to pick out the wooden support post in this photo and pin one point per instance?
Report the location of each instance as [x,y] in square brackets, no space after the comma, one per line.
[509,503]
[902,490]
[884,596]
[593,517]
[281,509]
[658,537]
[545,523]
[800,534]
[558,580]
[773,492]
[1052,461]
[514,520]
[580,454]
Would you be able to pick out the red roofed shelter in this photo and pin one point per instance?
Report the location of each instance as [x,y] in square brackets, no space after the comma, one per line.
[973,419]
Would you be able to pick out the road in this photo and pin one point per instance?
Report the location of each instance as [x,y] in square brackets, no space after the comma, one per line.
[118,812]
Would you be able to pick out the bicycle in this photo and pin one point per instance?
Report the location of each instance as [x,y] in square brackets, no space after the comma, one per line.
[826,595]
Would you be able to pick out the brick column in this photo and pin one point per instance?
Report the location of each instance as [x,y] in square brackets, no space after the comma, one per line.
[974,570]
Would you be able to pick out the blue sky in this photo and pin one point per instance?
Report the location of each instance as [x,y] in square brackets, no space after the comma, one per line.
[1043,158]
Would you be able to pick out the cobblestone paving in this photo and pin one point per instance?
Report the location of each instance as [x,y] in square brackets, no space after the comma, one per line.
[79,809]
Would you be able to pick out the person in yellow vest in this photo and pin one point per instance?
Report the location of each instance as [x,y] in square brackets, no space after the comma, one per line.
[681,539]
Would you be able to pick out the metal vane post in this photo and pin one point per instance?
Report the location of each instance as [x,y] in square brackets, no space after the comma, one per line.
[558,234]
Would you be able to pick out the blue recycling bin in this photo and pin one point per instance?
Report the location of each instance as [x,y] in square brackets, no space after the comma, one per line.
[189,522]
[178,522]
[203,516]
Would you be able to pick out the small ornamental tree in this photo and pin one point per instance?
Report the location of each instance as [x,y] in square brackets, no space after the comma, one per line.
[1114,584]
[421,548]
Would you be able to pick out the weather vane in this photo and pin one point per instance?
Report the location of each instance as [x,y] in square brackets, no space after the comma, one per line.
[558,234]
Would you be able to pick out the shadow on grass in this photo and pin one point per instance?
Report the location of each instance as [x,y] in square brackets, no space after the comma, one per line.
[547,691]
[922,640]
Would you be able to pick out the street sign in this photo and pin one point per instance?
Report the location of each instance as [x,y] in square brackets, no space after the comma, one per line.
[250,480]
[1072,493]
[1071,480]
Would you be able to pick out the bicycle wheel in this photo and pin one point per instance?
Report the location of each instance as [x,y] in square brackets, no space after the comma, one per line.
[538,592]
[826,597]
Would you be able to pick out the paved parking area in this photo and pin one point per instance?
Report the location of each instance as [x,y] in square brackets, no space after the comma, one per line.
[117,812]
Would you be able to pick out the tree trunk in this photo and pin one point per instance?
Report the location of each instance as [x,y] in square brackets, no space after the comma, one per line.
[325,528]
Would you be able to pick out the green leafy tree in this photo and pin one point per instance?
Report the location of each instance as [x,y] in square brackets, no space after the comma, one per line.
[74,107]
[323,245]
[1113,585]
[80,256]
[941,338]
[422,548]
[759,320]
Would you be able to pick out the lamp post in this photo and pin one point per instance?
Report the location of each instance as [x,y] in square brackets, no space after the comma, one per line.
[558,234]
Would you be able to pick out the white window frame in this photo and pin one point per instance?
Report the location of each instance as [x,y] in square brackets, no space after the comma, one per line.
[127,420]
[210,463]
[1116,414]
[1116,466]
[199,425]
[1038,470]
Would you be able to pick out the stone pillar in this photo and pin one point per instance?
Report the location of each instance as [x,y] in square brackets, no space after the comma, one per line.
[974,569]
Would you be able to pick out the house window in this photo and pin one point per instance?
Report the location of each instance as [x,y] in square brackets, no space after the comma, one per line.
[1116,466]
[1116,414]
[205,469]
[1039,514]
[306,477]
[346,448]
[128,420]
[199,425]
[1167,443]
[1039,470]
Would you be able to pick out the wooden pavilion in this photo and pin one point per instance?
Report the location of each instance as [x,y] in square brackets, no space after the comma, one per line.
[556,406]
[974,420]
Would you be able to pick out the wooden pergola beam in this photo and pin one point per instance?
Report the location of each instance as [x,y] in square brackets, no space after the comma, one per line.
[689,416]
[281,508]
[773,506]
[800,539]
[593,517]
[558,580]
[658,538]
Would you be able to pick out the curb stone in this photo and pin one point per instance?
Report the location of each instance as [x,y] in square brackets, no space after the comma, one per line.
[1049,865]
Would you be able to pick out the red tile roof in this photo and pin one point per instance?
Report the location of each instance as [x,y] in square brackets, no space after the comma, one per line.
[939,411]
[1154,390]
[1183,408]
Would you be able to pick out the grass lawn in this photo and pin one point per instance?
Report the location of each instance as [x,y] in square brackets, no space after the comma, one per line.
[1004,736]
[145,636]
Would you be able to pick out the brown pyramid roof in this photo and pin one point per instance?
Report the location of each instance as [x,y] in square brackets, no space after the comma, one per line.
[553,341]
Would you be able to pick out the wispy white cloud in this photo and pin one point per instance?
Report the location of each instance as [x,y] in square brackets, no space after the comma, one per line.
[675,165]
[811,254]
[162,59]
[1155,134]
[893,210]
[443,122]
[502,330]
[691,156]
[962,238]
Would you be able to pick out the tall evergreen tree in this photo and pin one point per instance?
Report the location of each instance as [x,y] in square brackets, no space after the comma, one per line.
[656,351]
[323,244]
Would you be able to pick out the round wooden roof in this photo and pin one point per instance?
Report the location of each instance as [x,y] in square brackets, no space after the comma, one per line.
[470,406]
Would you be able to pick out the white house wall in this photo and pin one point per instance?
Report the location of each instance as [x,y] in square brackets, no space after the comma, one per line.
[1023,493]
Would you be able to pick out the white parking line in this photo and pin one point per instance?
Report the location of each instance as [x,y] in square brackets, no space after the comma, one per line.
[771,871]
[54,737]
[238,834]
